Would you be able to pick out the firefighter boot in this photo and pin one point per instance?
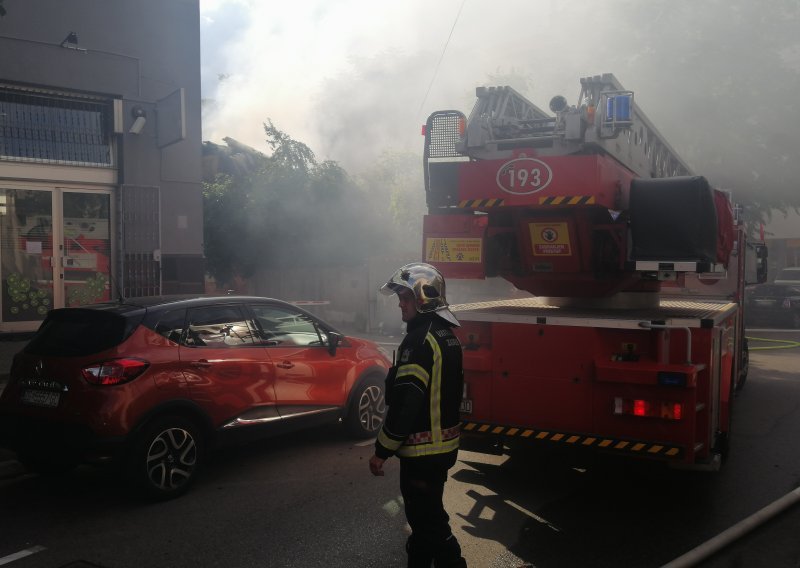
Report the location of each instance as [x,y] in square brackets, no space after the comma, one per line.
[449,555]
[419,554]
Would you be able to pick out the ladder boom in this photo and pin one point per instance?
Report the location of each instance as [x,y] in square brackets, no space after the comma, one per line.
[605,120]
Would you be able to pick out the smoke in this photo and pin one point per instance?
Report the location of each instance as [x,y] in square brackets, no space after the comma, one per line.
[351,78]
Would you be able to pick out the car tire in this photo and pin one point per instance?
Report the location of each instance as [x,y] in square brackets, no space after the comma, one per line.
[367,409]
[166,457]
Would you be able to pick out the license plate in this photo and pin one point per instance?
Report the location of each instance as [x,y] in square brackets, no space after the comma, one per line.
[465,406]
[760,302]
[41,397]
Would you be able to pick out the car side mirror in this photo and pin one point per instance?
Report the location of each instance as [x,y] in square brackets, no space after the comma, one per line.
[334,339]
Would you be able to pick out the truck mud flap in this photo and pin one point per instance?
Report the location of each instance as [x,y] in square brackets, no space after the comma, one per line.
[641,448]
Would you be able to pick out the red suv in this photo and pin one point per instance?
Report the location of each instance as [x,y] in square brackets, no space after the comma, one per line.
[153,383]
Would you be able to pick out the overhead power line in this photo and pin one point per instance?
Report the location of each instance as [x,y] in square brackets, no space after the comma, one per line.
[438,64]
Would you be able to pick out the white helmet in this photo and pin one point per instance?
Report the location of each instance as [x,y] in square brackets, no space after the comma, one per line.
[428,287]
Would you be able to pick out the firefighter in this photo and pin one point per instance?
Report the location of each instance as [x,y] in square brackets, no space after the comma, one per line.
[422,426]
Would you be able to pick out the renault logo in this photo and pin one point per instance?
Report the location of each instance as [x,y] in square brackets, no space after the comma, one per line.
[38,369]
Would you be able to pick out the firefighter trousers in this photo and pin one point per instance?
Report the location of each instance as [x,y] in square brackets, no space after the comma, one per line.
[431,540]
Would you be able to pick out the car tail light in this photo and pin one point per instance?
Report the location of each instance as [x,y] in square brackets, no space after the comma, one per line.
[648,408]
[114,371]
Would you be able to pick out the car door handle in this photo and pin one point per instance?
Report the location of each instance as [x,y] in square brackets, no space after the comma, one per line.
[201,363]
[285,365]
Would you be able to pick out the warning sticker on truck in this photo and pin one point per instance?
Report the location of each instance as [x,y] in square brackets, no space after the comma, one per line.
[550,239]
[452,250]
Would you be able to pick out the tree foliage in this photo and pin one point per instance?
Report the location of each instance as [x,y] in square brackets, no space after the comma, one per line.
[286,209]
[394,189]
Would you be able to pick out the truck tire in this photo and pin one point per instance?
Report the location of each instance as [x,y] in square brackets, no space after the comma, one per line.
[367,410]
[744,367]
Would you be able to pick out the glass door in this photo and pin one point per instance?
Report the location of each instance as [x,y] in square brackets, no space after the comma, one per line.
[86,247]
[35,275]
[26,254]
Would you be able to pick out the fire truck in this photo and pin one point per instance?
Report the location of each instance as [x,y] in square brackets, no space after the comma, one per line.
[632,339]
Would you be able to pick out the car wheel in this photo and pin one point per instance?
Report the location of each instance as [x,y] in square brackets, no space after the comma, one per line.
[367,409]
[166,457]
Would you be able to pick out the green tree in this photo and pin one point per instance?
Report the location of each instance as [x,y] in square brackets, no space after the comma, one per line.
[394,189]
[285,209]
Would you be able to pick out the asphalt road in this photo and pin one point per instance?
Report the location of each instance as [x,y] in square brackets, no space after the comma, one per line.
[309,500]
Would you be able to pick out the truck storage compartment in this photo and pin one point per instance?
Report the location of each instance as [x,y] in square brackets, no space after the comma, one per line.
[673,219]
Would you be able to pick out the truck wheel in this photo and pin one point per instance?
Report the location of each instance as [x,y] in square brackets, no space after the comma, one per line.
[744,366]
[723,445]
[367,409]
[166,457]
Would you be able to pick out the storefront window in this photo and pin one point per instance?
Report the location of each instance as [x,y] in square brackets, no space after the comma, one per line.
[26,250]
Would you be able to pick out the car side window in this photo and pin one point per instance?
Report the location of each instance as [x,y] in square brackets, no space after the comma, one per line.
[220,326]
[279,326]
[170,325]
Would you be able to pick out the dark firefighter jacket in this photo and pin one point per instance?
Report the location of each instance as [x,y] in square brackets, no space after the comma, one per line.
[423,391]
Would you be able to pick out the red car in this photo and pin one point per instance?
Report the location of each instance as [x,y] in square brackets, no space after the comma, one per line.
[153,383]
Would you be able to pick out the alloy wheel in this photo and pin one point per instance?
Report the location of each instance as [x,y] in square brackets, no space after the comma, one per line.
[171,459]
[371,408]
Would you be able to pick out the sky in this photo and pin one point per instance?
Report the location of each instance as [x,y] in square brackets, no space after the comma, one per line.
[355,78]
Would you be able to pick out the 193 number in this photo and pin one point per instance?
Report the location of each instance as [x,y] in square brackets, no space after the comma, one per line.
[522,176]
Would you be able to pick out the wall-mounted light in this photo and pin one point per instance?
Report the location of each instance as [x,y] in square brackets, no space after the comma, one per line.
[139,120]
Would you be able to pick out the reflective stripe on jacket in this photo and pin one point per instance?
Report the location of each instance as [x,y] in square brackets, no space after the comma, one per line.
[423,417]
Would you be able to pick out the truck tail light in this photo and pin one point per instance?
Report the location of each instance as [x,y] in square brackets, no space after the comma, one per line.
[114,371]
[648,408]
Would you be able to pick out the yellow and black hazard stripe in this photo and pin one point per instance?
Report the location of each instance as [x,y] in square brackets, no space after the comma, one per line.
[480,203]
[649,449]
[568,200]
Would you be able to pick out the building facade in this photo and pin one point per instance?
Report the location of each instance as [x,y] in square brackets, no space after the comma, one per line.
[100,153]
[783,241]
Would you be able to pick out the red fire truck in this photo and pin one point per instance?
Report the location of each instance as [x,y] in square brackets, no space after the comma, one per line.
[632,340]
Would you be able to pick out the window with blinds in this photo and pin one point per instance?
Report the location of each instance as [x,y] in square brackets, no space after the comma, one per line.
[53,129]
